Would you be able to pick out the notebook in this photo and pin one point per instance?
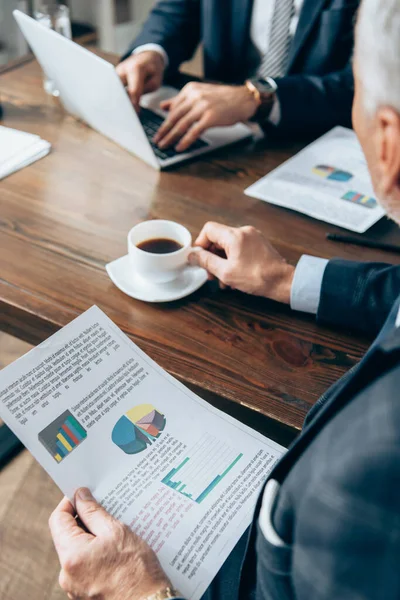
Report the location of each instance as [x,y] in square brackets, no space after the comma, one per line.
[19,149]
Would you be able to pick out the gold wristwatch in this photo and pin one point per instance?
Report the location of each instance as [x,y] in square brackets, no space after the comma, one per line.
[264,92]
[165,594]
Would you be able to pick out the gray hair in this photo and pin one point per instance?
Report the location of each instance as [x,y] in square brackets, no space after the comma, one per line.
[378,53]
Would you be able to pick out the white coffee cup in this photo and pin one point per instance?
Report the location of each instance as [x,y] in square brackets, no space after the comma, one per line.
[159,268]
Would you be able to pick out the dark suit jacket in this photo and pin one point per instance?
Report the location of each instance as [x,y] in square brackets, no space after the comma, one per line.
[316,94]
[338,508]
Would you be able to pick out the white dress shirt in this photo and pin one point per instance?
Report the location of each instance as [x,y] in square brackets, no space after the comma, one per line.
[260,29]
[307,284]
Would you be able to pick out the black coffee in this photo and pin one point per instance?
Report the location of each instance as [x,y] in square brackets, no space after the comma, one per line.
[160,246]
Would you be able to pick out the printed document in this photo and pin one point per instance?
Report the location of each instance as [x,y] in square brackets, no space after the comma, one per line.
[19,149]
[328,180]
[96,411]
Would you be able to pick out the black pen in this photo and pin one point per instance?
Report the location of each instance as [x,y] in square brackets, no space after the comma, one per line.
[348,239]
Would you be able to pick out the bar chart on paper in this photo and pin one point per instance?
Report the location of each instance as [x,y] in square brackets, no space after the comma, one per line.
[205,466]
[62,436]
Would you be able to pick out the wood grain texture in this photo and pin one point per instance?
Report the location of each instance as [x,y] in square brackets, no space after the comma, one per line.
[11,348]
[64,218]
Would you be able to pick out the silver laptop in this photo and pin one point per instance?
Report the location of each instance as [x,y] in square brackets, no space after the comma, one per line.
[91,90]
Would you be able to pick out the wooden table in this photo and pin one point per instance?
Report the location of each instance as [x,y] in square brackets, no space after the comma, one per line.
[63,218]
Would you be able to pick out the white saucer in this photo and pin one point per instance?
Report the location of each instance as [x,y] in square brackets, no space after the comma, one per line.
[122,275]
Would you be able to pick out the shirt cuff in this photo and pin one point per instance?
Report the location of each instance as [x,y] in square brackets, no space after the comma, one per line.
[153,48]
[307,284]
[275,114]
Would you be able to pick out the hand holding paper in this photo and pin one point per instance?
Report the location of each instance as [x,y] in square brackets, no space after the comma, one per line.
[98,413]
[108,560]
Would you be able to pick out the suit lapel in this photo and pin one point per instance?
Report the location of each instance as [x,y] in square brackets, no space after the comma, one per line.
[308,16]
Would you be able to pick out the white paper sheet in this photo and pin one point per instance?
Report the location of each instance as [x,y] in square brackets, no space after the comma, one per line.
[96,411]
[19,149]
[328,180]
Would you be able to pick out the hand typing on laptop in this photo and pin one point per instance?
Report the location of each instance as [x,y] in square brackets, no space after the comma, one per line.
[141,73]
[195,109]
[200,106]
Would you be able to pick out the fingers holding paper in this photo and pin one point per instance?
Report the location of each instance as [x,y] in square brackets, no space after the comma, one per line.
[65,530]
[243,259]
[108,561]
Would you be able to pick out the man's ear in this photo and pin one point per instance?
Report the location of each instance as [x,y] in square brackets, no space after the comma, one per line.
[389,150]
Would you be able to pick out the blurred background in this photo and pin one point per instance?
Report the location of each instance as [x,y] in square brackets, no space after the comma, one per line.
[110,24]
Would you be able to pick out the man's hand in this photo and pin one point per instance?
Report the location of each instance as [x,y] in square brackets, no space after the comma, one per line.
[241,258]
[107,561]
[141,73]
[200,106]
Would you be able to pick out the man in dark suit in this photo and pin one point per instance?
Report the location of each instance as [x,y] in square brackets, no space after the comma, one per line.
[295,54]
[327,523]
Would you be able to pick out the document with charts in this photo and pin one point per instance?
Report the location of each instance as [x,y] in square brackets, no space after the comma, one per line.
[96,411]
[328,180]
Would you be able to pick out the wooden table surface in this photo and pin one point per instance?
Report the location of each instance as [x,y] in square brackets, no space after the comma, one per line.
[63,218]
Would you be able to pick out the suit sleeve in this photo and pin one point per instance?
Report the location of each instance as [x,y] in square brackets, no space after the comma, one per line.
[311,105]
[358,296]
[174,25]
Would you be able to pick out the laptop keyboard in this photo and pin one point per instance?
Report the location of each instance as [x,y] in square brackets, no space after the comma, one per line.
[151,122]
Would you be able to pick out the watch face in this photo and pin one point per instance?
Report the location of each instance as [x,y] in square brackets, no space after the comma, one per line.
[266,86]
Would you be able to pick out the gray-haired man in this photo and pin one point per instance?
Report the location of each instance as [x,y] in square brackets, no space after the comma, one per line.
[327,524]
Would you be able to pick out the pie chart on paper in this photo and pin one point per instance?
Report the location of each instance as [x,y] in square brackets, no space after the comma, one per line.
[138,428]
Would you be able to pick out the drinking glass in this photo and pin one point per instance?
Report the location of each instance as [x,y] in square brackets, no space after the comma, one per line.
[54,16]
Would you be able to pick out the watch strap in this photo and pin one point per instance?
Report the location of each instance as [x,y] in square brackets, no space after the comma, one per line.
[265,99]
[164,594]
[264,110]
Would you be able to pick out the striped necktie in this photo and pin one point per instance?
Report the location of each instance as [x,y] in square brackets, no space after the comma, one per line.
[275,63]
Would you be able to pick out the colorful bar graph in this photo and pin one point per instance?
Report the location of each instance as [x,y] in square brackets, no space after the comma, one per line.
[360,199]
[76,428]
[71,437]
[62,436]
[67,437]
[61,449]
[64,441]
